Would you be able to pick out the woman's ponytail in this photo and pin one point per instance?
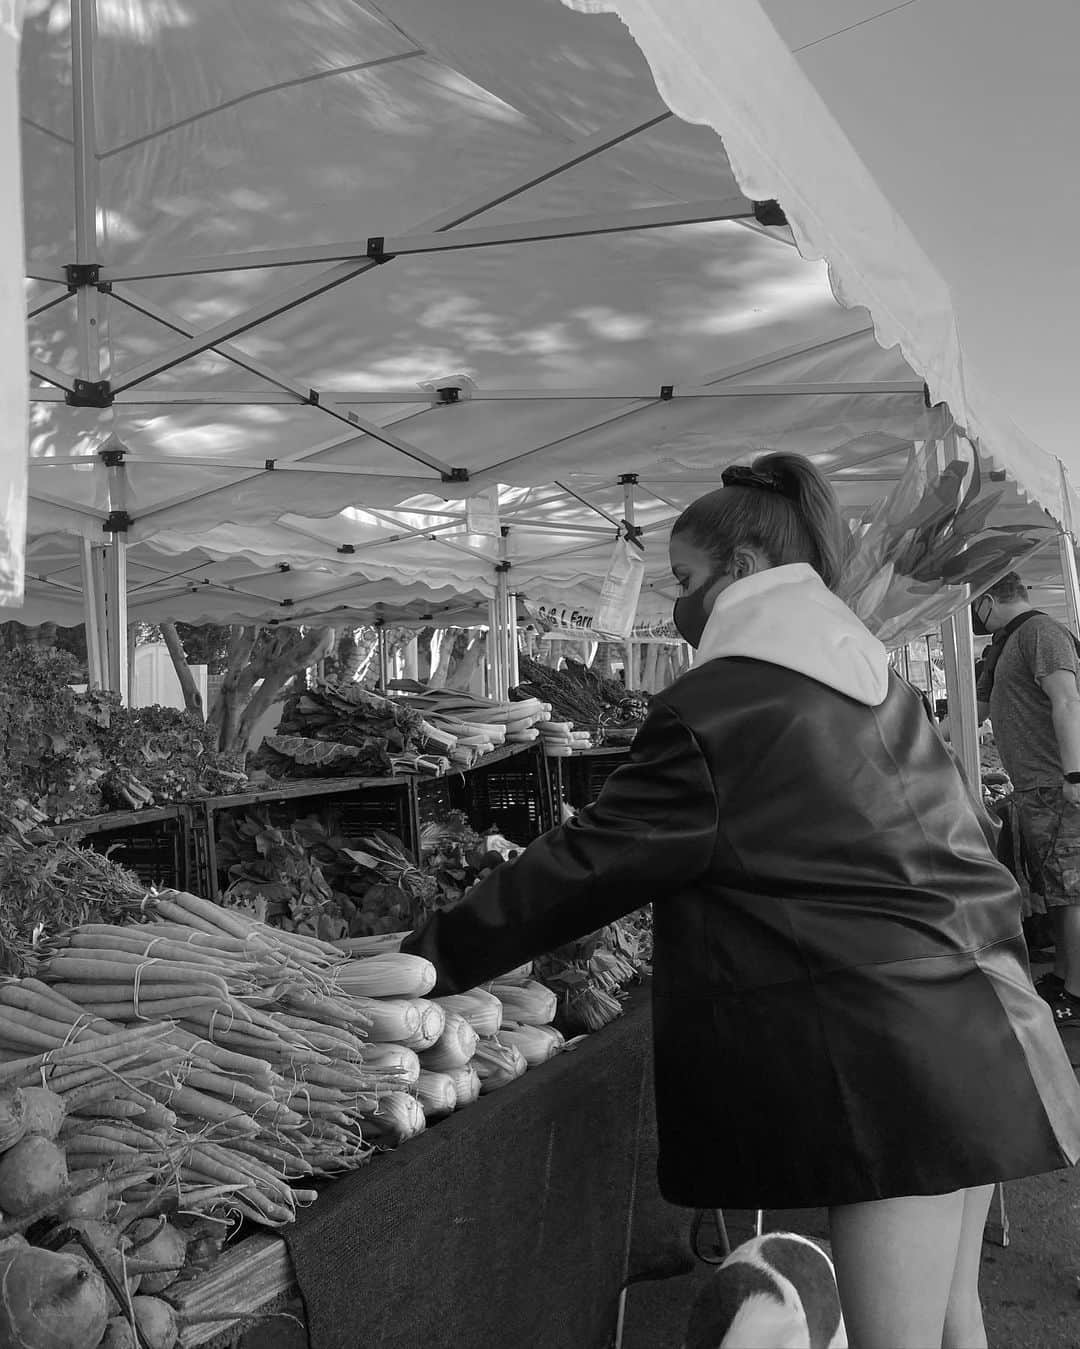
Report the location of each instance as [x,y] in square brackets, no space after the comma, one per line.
[790,513]
[811,493]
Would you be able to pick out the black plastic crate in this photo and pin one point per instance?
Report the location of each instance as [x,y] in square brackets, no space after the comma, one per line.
[353,811]
[510,796]
[154,852]
[584,775]
[387,808]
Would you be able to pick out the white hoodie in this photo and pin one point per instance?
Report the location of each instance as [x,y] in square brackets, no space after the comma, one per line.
[788,616]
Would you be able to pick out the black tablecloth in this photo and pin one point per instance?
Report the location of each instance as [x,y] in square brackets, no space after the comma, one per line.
[505,1226]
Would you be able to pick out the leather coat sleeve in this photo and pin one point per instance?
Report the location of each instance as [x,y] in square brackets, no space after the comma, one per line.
[652,830]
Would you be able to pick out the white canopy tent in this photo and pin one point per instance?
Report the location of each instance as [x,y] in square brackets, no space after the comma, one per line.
[927,151]
[261,296]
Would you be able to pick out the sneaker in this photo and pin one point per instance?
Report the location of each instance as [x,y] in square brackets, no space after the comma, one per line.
[1050,986]
[1066,1009]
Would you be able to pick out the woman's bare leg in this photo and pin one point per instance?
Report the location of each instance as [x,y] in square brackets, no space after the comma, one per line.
[963,1315]
[895,1260]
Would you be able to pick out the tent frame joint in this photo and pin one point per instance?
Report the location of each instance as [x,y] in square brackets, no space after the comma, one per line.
[769,213]
[376,249]
[449,393]
[117,522]
[456,475]
[667,392]
[79,274]
[90,393]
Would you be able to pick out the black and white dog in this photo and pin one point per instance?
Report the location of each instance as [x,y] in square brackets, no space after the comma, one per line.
[776,1291]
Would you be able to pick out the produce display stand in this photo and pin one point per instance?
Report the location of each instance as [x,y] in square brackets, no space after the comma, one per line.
[176,845]
[486,1225]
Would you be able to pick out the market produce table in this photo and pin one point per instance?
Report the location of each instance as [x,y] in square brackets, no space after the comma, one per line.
[508,1223]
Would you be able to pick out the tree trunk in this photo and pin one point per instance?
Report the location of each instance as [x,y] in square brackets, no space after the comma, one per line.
[282,658]
[650,679]
[411,657]
[235,683]
[451,649]
[469,658]
[192,697]
[601,664]
[426,651]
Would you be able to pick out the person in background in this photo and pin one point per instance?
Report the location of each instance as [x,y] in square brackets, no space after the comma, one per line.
[843,1014]
[1030,690]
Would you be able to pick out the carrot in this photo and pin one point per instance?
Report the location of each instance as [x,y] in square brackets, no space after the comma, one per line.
[209,912]
[265,1212]
[188,1101]
[112,1107]
[205,941]
[22,999]
[155,1115]
[231,1090]
[290,1164]
[179,915]
[65,1004]
[160,1010]
[96,1091]
[224,1059]
[86,1145]
[90,995]
[121,967]
[163,948]
[14,1019]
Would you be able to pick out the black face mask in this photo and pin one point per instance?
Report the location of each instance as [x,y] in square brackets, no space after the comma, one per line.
[690,615]
[978,622]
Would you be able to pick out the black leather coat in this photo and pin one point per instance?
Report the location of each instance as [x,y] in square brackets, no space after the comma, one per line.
[843,1009]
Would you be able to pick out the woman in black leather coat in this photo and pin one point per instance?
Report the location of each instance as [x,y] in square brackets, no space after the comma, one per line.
[843,1010]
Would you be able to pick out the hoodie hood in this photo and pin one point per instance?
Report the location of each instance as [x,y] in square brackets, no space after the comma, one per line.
[788,616]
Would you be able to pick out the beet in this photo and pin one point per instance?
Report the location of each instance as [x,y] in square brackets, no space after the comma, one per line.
[31,1173]
[50,1300]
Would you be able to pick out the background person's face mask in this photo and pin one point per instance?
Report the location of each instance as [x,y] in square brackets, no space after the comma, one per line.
[980,612]
[690,614]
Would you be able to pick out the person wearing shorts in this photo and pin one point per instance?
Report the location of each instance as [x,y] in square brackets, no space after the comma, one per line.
[1030,689]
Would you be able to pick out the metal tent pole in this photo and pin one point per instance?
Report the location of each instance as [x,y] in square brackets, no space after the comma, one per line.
[494,651]
[116,633]
[84,132]
[1067,551]
[628,482]
[959,647]
[384,668]
[92,617]
[513,666]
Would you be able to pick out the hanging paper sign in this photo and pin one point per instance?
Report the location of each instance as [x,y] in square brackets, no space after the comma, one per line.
[621,590]
[482,513]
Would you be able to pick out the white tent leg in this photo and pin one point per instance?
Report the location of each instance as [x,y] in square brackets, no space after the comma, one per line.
[87,298]
[513,667]
[959,647]
[384,668]
[92,616]
[1067,548]
[116,634]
